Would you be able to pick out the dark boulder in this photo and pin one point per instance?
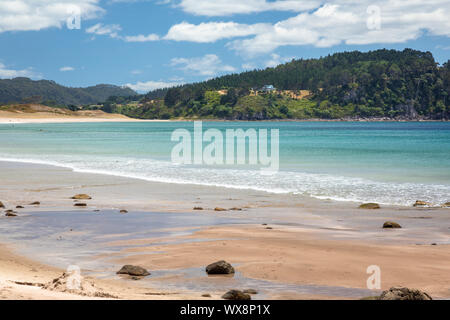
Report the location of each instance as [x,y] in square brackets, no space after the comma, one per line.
[81,197]
[421,204]
[369,206]
[220,267]
[10,213]
[35,203]
[401,293]
[80,205]
[236,295]
[133,271]
[391,225]
[2,205]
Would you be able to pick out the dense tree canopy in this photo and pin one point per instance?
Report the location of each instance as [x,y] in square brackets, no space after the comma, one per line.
[24,90]
[383,83]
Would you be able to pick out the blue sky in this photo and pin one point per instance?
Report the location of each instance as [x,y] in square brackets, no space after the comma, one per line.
[148,44]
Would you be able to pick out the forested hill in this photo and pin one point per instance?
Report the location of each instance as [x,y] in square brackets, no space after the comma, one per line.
[382,83]
[24,90]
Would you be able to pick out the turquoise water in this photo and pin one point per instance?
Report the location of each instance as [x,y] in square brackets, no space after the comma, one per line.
[386,162]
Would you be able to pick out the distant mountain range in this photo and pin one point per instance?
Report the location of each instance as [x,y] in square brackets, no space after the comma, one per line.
[25,90]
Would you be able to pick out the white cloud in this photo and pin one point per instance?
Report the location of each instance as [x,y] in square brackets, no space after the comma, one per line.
[27,15]
[142,38]
[105,30]
[230,7]
[6,73]
[152,85]
[347,21]
[64,69]
[248,66]
[275,60]
[213,31]
[208,65]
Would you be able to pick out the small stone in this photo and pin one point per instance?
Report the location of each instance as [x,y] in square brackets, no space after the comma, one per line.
[206,295]
[19,207]
[35,203]
[81,197]
[268,228]
[219,209]
[235,209]
[236,295]
[198,208]
[369,206]
[123,211]
[250,291]
[2,205]
[133,271]
[434,244]
[391,225]
[421,204]
[445,205]
[10,213]
[80,205]
[220,267]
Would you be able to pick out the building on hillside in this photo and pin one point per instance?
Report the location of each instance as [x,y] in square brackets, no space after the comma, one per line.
[268,88]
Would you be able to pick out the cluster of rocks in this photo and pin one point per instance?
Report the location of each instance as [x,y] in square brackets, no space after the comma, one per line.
[217,268]
[81,196]
[11,212]
[402,293]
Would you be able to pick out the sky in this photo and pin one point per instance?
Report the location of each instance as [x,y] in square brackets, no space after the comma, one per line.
[150,44]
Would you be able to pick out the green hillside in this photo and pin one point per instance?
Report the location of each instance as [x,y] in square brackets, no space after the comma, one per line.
[24,90]
[406,84]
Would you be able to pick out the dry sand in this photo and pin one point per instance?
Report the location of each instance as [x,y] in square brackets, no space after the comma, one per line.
[43,114]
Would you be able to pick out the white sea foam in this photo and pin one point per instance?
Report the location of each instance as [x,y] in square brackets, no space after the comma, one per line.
[322,186]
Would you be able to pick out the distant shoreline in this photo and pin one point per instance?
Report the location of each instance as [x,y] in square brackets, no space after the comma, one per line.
[42,119]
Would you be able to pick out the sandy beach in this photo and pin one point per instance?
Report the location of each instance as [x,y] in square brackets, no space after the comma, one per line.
[44,114]
[285,246]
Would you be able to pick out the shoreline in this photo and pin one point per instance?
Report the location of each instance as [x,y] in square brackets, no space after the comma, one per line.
[306,235]
[27,118]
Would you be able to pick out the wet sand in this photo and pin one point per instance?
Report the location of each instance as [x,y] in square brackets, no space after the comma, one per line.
[316,249]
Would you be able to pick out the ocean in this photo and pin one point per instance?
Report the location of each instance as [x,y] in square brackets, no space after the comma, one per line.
[394,163]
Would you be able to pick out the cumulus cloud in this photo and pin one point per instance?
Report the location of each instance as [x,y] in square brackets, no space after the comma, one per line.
[7,73]
[275,60]
[351,22]
[142,38]
[152,85]
[105,30]
[213,31]
[208,65]
[27,15]
[65,69]
[230,7]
